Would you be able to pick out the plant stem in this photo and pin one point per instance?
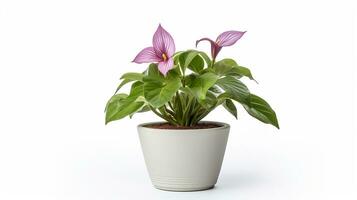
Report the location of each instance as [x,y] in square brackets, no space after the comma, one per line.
[183,79]
[171,107]
[168,116]
[179,108]
[157,113]
[163,116]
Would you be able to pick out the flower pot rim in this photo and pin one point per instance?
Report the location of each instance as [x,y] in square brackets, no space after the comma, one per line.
[222,125]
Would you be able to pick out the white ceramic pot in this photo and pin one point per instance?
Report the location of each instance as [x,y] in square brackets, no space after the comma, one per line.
[184,159]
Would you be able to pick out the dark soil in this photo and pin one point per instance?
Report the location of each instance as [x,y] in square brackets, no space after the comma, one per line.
[169,126]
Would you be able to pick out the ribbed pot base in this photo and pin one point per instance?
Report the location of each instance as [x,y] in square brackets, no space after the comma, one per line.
[175,189]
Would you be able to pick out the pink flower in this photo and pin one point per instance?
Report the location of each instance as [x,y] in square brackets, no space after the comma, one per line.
[225,39]
[161,52]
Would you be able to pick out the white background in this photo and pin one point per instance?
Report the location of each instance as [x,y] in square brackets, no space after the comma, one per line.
[61,60]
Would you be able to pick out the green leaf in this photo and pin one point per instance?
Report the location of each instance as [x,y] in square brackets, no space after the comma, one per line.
[124,82]
[230,67]
[187,91]
[230,107]
[187,57]
[222,67]
[233,87]
[176,57]
[192,59]
[241,71]
[159,91]
[194,62]
[181,59]
[154,73]
[215,89]
[114,98]
[211,100]
[133,76]
[202,83]
[261,110]
[143,108]
[137,90]
[177,53]
[119,107]
[129,77]
[190,78]
[206,58]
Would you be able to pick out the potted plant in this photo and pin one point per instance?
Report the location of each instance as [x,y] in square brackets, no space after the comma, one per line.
[184,153]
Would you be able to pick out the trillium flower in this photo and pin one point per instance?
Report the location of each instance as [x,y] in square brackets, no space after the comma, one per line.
[161,52]
[225,39]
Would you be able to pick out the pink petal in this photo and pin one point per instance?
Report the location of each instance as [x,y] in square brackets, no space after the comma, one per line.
[147,55]
[163,42]
[165,66]
[214,47]
[228,38]
[206,39]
